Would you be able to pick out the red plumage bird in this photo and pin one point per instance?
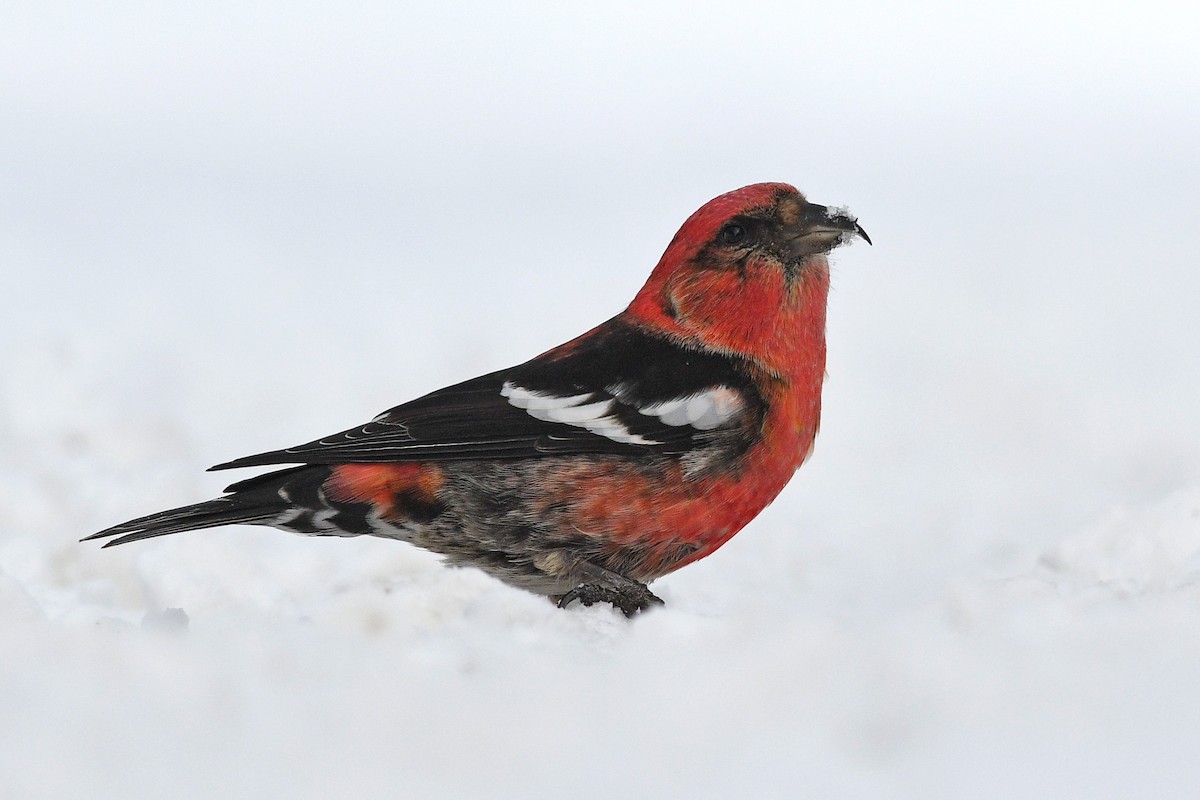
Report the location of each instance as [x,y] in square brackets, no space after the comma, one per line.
[609,461]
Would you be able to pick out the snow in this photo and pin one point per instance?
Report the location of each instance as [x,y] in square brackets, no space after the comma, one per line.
[223,232]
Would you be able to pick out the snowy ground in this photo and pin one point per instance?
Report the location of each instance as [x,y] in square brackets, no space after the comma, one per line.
[225,230]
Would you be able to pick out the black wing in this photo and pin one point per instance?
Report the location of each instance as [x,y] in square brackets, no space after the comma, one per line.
[614,390]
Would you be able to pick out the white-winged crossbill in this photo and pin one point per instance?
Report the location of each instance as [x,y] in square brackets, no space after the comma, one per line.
[609,461]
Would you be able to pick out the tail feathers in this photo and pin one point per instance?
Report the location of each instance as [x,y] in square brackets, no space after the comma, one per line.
[222,511]
[263,499]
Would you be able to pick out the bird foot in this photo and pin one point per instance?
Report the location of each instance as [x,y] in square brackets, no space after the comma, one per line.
[630,597]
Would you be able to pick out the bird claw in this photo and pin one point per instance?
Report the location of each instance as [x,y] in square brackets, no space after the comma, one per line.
[628,598]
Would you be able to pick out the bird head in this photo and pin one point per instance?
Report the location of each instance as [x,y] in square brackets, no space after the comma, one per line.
[747,274]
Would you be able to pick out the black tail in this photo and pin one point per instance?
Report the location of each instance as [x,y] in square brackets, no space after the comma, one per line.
[258,500]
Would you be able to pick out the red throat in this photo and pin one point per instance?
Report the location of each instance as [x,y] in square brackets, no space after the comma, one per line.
[777,319]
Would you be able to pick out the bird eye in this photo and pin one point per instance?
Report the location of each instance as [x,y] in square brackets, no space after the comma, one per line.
[733,234]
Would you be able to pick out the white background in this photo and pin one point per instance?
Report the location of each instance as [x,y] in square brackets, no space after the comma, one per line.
[226,228]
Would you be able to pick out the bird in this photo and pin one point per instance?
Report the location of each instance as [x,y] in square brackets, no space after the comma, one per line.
[607,462]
